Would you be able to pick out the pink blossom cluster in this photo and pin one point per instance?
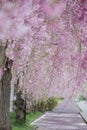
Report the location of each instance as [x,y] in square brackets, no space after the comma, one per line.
[47,40]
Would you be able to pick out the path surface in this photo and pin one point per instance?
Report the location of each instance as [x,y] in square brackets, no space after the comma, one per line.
[64,117]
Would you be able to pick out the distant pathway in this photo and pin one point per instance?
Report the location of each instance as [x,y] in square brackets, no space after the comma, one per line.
[63,117]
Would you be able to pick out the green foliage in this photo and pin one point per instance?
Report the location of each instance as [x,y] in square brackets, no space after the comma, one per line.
[41,105]
[26,126]
[81,97]
[47,104]
[51,103]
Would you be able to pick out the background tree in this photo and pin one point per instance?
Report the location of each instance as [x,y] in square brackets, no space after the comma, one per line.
[37,25]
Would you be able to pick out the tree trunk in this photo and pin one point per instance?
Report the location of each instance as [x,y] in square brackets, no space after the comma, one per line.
[20,104]
[5,67]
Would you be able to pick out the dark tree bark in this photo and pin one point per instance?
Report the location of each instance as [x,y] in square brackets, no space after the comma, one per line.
[5,65]
[20,104]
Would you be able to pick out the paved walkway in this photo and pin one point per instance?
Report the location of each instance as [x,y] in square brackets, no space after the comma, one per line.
[64,117]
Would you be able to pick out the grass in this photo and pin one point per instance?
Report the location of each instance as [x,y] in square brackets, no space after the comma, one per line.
[30,118]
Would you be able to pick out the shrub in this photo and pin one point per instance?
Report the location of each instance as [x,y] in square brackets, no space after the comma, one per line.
[82,97]
[51,103]
[47,105]
[41,105]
